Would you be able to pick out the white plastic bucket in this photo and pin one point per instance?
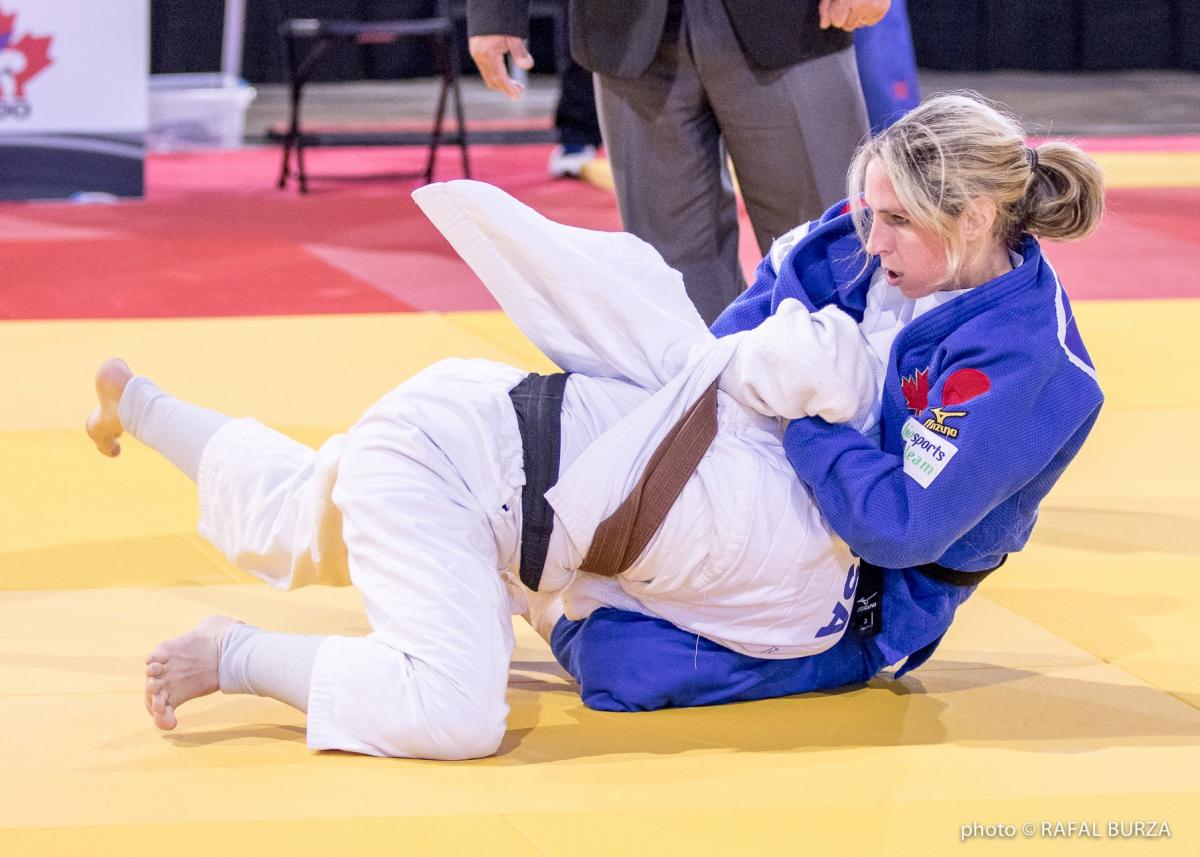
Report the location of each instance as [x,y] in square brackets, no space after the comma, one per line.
[197,111]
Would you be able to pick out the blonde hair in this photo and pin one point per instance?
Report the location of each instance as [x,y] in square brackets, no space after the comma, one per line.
[956,147]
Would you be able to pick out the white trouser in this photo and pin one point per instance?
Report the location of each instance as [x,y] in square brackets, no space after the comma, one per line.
[418,505]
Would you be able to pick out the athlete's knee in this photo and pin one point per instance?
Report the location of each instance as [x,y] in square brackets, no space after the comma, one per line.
[475,733]
[451,728]
[442,718]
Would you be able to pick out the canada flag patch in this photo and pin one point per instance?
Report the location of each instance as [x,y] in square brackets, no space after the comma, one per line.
[962,386]
[916,390]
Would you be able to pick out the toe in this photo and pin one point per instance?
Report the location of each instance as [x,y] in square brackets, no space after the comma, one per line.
[165,719]
[102,434]
[154,669]
[160,719]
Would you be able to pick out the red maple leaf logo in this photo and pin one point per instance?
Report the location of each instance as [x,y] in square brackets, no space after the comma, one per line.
[35,48]
[37,58]
[916,390]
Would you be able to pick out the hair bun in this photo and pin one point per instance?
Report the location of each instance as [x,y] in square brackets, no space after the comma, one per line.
[1065,198]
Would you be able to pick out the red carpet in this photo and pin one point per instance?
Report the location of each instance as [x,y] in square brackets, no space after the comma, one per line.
[215,238]
[1178,143]
[1148,246]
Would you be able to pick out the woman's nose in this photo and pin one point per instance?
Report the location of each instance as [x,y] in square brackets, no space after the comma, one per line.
[876,238]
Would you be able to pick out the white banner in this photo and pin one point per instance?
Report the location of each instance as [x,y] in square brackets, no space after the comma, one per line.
[74,66]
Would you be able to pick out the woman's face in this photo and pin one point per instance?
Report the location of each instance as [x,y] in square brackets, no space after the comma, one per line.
[912,257]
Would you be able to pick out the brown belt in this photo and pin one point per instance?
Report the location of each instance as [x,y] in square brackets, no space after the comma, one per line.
[623,535]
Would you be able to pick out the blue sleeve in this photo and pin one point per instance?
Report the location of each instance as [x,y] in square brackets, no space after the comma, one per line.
[629,662]
[751,307]
[1005,437]
[887,67]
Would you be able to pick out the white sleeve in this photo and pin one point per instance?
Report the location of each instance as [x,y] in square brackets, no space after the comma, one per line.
[604,304]
[801,364]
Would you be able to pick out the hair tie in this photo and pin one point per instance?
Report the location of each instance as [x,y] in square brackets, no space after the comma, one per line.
[1031,156]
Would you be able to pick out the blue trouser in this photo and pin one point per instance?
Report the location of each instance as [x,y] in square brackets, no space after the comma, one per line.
[629,662]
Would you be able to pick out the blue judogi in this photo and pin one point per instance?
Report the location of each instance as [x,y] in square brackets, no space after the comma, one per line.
[987,399]
[887,67]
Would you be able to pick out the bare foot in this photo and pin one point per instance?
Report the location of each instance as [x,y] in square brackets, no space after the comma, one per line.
[184,668]
[104,423]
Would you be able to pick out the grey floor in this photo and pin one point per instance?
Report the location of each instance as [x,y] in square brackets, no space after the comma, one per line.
[1113,103]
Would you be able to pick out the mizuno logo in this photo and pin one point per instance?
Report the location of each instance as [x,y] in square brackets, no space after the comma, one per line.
[943,415]
[939,424]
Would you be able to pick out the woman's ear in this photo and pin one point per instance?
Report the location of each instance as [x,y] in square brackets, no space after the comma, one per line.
[978,218]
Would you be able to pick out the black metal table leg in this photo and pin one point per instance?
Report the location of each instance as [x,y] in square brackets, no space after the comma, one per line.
[442,58]
[458,115]
[289,51]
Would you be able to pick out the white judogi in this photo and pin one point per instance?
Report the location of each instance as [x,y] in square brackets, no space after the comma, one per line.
[743,558]
[419,503]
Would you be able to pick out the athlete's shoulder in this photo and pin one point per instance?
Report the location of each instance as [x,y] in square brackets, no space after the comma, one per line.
[1043,323]
[833,224]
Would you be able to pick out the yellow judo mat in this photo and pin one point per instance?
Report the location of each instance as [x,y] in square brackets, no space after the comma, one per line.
[1059,715]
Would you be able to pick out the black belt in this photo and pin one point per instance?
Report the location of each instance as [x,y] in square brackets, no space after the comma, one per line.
[957,578]
[867,616]
[537,401]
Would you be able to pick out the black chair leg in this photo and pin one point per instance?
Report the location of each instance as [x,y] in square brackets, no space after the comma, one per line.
[295,137]
[321,36]
[442,54]
[462,123]
[289,51]
[301,172]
